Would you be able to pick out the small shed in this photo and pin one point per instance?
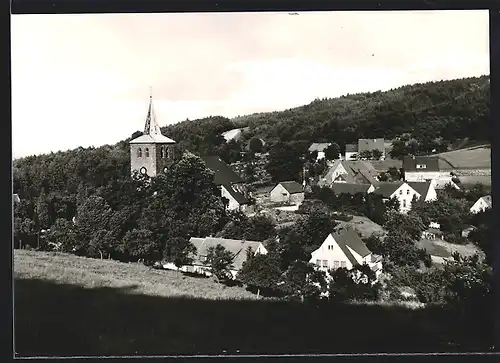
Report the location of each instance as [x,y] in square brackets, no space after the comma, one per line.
[287,192]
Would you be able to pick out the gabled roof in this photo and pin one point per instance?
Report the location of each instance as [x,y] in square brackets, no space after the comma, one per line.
[223,172]
[371,144]
[351,148]
[237,248]
[348,238]
[387,189]
[319,146]
[421,188]
[291,187]
[349,188]
[239,197]
[431,163]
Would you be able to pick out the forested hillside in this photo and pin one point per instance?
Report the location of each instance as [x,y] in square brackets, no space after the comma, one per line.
[426,116]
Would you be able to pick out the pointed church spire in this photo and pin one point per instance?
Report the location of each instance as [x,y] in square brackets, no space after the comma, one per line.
[151,127]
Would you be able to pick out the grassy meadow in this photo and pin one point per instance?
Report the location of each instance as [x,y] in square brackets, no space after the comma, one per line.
[67,305]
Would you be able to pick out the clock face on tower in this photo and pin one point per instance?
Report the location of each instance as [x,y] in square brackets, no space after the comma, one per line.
[165,170]
[143,171]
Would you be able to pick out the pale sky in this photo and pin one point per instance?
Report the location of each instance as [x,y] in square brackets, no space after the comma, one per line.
[83,80]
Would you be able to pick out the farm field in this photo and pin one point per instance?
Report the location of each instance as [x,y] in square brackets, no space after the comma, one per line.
[66,305]
[471,180]
[478,157]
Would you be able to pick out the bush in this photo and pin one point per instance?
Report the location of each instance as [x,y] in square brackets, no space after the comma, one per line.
[342,217]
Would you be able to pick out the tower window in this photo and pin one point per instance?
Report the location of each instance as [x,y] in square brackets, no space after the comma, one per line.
[169,153]
[146,152]
[139,153]
[162,152]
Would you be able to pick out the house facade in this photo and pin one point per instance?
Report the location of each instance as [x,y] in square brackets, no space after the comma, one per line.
[404,192]
[345,249]
[351,151]
[372,144]
[352,188]
[481,204]
[237,248]
[236,199]
[425,168]
[287,192]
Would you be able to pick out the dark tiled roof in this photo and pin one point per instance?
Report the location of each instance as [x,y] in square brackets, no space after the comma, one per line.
[387,189]
[421,188]
[239,197]
[223,172]
[348,238]
[350,188]
[351,148]
[431,163]
[292,187]
[237,248]
[371,144]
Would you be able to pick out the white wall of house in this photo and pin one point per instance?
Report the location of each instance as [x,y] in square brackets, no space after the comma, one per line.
[349,155]
[321,155]
[279,194]
[479,206]
[426,175]
[330,256]
[431,194]
[370,189]
[404,194]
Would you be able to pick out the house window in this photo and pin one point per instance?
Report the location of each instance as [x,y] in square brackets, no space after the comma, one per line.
[401,192]
[404,203]
[336,264]
[318,262]
[146,152]
[139,153]
[408,192]
[169,153]
[325,263]
[421,166]
[343,264]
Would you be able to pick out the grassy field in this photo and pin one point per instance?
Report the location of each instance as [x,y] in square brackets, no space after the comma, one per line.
[65,306]
[470,158]
[364,226]
[470,181]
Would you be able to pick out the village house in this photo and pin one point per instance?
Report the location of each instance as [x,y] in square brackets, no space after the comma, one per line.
[432,234]
[230,184]
[481,204]
[351,151]
[238,249]
[425,168]
[371,145]
[289,192]
[319,147]
[353,172]
[404,192]
[345,249]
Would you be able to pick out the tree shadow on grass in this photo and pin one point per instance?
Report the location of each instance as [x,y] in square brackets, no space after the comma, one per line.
[66,320]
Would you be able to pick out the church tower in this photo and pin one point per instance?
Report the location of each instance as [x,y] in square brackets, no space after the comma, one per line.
[152,153]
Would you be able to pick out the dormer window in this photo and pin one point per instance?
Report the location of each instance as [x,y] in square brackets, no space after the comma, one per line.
[421,166]
[139,153]
[146,152]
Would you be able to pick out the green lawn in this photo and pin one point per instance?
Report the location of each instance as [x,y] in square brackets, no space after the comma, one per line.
[472,158]
[65,305]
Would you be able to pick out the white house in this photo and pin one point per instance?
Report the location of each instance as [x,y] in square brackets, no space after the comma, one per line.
[351,151]
[320,147]
[238,249]
[372,144]
[404,192]
[236,199]
[345,248]
[287,192]
[426,168]
[481,204]
[16,198]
